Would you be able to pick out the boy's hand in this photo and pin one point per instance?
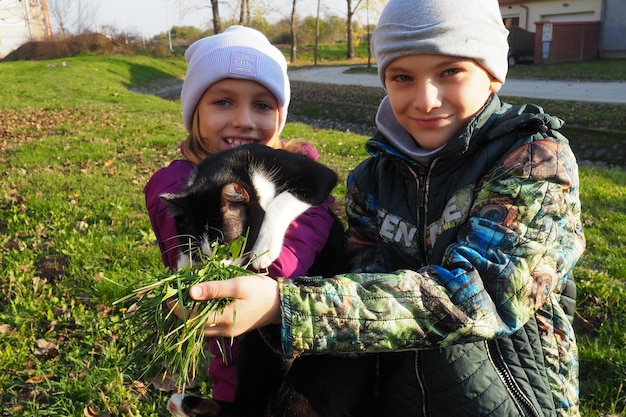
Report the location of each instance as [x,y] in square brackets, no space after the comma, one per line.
[256,303]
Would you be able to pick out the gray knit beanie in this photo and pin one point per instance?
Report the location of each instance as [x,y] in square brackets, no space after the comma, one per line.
[238,52]
[463,28]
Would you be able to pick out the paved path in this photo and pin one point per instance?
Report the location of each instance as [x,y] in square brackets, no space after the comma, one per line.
[599,92]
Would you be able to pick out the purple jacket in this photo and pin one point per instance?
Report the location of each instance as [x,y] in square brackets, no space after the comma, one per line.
[304,239]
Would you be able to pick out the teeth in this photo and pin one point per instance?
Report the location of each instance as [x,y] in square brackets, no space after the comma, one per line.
[235,142]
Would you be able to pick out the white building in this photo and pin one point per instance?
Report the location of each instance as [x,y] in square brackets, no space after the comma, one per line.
[22,21]
[568,25]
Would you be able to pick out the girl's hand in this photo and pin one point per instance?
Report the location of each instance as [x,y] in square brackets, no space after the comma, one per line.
[256,303]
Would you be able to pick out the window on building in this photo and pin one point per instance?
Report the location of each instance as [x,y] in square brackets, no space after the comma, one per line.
[511,22]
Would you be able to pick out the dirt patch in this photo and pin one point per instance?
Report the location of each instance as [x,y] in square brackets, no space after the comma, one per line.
[52,267]
[86,43]
[167,88]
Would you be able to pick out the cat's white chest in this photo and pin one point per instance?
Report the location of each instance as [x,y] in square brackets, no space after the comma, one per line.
[280,211]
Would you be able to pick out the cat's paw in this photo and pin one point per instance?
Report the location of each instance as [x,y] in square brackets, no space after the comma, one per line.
[188,405]
[265,251]
[262,261]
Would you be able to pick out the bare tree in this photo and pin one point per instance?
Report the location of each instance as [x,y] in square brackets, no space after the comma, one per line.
[217,23]
[74,16]
[60,13]
[86,13]
[195,7]
[317,31]
[350,15]
[294,30]
[244,13]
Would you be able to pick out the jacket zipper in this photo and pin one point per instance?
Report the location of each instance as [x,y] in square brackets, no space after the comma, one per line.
[420,381]
[421,213]
[509,381]
[498,361]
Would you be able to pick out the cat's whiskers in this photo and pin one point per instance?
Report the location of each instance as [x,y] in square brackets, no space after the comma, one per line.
[187,250]
[191,243]
[206,242]
[192,251]
[178,237]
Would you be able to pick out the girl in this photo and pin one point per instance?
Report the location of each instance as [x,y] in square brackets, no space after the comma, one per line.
[236,91]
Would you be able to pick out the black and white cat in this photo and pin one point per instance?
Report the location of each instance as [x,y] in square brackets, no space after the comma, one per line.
[258,190]
[249,189]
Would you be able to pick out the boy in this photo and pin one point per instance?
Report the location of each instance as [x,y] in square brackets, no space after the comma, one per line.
[464,227]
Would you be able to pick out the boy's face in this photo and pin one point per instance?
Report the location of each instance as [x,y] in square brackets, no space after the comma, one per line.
[433,96]
[234,112]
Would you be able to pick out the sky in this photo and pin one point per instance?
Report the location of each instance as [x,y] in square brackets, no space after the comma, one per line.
[150,17]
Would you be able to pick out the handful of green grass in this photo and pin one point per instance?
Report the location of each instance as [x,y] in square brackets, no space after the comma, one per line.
[162,342]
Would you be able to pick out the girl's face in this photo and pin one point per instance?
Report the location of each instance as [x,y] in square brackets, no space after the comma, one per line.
[234,112]
[433,96]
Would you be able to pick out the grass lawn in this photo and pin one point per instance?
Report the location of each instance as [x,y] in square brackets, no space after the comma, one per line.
[77,144]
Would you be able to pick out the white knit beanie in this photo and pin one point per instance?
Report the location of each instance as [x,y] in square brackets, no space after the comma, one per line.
[463,28]
[238,52]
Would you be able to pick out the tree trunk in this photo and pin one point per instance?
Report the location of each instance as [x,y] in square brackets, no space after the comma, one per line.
[350,52]
[244,13]
[317,32]
[217,24]
[294,29]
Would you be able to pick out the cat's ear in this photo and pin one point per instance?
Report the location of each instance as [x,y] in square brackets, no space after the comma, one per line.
[176,203]
[235,193]
[234,206]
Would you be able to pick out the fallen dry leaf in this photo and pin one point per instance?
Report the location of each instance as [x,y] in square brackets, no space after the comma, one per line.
[97,349]
[126,411]
[90,411]
[38,378]
[140,388]
[168,384]
[45,348]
